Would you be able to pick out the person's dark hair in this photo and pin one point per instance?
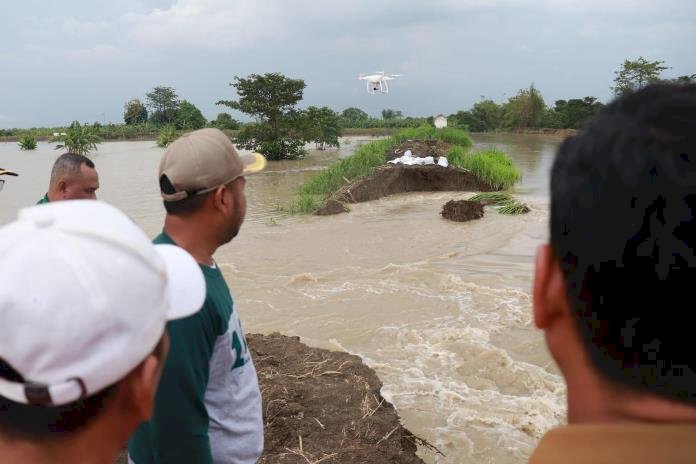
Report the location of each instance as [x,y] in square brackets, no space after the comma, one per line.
[40,422]
[188,205]
[623,226]
[69,163]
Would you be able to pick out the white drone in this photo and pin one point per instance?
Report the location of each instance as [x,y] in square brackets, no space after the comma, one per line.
[377,82]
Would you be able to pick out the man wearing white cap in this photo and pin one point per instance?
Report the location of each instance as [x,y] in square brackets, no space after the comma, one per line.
[84,301]
[208,407]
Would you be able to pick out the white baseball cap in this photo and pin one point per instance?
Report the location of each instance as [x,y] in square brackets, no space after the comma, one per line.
[84,298]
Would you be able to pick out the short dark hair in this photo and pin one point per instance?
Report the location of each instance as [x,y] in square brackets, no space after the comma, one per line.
[623,226]
[69,163]
[45,422]
[188,205]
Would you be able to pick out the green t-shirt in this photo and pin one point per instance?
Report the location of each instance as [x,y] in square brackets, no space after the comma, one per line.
[208,404]
[43,200]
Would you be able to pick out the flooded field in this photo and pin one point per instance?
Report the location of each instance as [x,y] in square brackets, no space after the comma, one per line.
[441,310]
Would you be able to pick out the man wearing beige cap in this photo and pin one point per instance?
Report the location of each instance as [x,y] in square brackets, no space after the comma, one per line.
[208,407]
[84,301]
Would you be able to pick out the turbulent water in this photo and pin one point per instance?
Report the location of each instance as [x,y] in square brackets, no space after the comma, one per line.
[441,310]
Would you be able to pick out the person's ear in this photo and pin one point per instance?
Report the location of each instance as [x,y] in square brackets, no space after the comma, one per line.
[549,294]
[62,187]
[223,201]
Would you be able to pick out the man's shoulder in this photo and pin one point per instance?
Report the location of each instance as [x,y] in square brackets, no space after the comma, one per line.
[626,442]
[163,238]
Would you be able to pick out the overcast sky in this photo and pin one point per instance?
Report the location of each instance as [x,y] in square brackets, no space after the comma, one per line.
[75,59]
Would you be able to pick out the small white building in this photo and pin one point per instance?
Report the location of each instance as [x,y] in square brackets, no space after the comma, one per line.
[440,121]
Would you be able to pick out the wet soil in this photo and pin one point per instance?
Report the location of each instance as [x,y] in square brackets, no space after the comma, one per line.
[324,406]
[391,179]
[332,207]
[462,210]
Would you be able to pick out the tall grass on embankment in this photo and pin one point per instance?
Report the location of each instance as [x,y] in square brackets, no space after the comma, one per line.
[492,166]
[502,201]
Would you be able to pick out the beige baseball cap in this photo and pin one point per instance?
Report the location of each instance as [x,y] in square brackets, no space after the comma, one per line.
[203,160]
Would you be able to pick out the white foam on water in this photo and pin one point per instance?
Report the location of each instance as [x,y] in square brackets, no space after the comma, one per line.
[471,395]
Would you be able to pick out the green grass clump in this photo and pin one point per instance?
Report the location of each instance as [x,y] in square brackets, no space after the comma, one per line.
[513,207]
[27,142]
[494,198]
[166,136]
[492,166]
[362,163]
[305,203]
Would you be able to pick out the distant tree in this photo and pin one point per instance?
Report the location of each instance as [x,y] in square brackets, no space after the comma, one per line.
[271,99]
[224,121]
[635,75]
[134,112]
[354,117]
[574,112]
[683,80]
[526,109]
[465,120]
[552,119]
[391,114]
[324,127]
[188,117]
[163,103]
[488,115]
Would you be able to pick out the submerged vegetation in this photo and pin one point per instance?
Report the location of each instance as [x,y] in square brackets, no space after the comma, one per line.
[166,136]
[78,139]
[27,142]
[503,201]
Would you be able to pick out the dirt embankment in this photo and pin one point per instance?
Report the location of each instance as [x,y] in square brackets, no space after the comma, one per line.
[391,179]
[324,406]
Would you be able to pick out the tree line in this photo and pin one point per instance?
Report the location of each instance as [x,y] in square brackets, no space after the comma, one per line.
[280,130]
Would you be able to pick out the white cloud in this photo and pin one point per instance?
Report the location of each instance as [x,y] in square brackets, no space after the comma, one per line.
[102,51]
[216,24]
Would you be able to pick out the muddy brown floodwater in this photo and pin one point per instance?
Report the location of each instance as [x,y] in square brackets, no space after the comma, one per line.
[441,310]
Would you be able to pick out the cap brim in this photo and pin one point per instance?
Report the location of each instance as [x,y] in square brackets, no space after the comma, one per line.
[186,284]
[253,163]
[7,173]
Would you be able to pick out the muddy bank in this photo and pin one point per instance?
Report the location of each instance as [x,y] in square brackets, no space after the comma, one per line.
[321,405]
[391,179]
[324,405]
[462,210]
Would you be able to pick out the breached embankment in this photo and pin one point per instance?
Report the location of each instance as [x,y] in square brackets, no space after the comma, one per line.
[321,405]
[391,179]
[325,405]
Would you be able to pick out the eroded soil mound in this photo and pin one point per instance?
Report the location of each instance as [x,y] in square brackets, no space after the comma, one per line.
[322,405]
[391,179]
[462,210]
[331,207]
[422,148]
